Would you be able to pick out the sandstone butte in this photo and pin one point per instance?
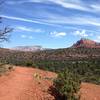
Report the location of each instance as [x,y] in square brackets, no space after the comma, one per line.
[86,43]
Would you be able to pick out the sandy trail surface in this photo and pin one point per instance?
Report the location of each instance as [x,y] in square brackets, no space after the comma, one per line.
[90,91]
[32,84]
[26,84]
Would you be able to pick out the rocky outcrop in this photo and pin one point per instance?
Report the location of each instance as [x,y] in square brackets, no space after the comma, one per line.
[86,43]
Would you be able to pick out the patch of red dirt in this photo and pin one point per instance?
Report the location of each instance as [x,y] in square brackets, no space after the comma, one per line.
[21,84]
[32,84]
[90,91]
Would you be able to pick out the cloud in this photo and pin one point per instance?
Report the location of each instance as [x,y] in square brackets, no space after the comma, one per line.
[95,7]
[26,36]
[23,36]
[97,39]
[18,18]
[30,37]
[78,5]
[58,20]
[72,5]
[11,2]
[72,20]
[81,33]
[25,20]
[58,34]
[69,4]
[27,29]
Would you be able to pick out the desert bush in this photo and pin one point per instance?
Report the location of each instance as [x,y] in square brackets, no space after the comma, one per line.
[5,67]
[67,85]
[29,63]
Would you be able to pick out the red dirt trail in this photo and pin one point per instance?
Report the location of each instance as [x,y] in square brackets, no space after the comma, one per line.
[90,91]
[21,84]
[32,84]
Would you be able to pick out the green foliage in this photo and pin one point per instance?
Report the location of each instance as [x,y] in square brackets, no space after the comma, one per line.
[68,85]
[83,61]
[29,63]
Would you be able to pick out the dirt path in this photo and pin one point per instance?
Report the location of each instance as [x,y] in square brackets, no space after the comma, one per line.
[90,91]
[23,84]
[33,84]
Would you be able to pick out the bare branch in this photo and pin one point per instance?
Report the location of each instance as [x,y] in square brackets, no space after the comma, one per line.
[4,34]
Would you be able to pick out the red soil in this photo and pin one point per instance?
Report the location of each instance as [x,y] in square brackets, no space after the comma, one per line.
[90,91]
[33,84]
[21,84]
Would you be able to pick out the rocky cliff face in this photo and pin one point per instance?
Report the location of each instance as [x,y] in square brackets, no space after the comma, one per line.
[86,43]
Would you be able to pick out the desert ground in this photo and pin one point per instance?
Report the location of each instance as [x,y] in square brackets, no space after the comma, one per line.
[34,84]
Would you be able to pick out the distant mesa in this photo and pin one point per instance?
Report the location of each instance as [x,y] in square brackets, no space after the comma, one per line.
[83,42]
[28,48]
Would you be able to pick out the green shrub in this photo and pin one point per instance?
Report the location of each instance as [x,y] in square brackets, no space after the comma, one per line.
[29,63]
[67,85]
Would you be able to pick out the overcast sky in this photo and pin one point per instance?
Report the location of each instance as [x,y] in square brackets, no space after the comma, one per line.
[51,23]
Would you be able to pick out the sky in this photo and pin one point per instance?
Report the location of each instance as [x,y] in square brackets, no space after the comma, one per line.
[50,23]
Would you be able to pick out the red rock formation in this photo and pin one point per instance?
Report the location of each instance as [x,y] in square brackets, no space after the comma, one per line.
[86,43]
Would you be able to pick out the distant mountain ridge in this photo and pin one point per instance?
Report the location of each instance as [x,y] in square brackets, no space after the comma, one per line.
[28,48]
[81,50]
[83,42]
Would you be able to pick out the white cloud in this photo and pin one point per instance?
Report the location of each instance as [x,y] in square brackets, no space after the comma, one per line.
[58,34]
[23,36]
[23,1]
[26,36]
[81,33]
[78,20]
[18,18]
[25,20]
[27,29]
[72,4]
[97,39]
[78,5]
[58,20]
[95,7]
[30,37]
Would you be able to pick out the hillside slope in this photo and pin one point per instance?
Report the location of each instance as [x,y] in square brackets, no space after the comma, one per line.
[82,49]
[23,84]
[33,84]
[16,57]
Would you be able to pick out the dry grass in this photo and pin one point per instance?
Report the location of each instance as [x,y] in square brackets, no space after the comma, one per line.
[5,68]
